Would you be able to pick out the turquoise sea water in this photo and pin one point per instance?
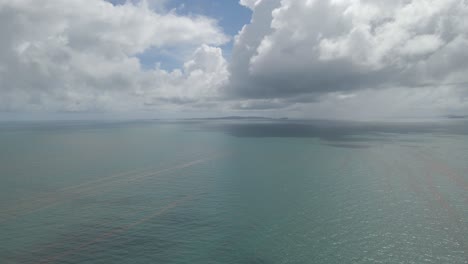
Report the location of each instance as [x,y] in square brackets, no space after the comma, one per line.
[239,191]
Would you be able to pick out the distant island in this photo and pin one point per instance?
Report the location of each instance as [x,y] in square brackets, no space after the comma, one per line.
[238,118]
[457,116]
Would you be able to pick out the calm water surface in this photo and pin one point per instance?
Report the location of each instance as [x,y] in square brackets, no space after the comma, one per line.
[233,192]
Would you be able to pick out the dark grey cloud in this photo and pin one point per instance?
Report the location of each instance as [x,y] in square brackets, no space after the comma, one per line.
[300,50]
[260,104]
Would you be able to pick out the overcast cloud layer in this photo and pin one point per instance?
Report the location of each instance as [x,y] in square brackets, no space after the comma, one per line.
[304,58]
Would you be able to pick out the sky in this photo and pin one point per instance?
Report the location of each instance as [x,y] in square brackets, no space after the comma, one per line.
[326,59]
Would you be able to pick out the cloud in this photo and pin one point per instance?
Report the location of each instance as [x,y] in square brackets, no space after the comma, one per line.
[81,55]
[296,49]
[249,3]
[197,82]
[304,58]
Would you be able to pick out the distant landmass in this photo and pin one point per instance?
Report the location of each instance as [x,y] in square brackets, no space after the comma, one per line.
[238,118]
[457,116]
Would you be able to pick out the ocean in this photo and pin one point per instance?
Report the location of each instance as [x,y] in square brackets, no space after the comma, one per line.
[233,191]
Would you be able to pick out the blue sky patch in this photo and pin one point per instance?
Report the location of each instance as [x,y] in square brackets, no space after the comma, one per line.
[231,17]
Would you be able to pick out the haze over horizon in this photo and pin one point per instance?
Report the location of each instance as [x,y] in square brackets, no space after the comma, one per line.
[314,59]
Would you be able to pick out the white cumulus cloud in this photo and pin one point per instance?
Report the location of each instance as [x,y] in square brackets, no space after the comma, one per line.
[81,55]
[300,51]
